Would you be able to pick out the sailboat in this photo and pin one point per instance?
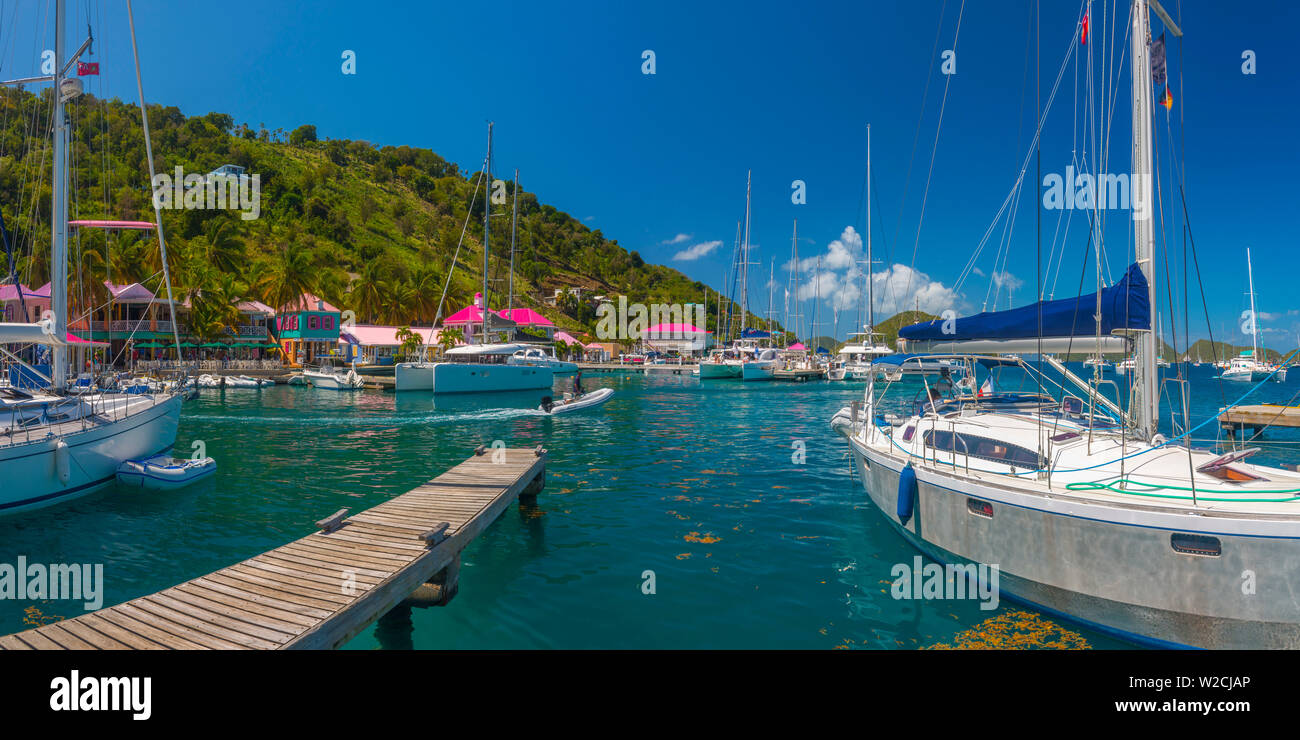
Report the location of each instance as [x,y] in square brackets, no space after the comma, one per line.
[744,359]
[858,357]
[1086,509]
[56,445]
[1246,367]
[485,366]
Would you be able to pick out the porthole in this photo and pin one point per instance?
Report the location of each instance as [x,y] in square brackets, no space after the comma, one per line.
[979,508]
[1196,544]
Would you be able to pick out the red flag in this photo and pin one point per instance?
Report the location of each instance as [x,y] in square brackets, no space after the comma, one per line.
[87,68]
[1167,100]
[1084,39]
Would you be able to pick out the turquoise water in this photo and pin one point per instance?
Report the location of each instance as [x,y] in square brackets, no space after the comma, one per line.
[691,480]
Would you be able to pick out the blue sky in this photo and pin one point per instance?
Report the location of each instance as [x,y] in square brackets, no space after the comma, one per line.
[785,89]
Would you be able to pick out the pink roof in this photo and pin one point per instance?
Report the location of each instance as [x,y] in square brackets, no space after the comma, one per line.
[383,336]
[133,292]
[252,307]
[10,292]
[525,317]
[43,291]
[309,302]
[142,225]
[797,346]
[467,315]
[677,329]
[567,338]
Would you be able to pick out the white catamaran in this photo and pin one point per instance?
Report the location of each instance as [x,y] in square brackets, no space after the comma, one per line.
[1085,509]
[485,367]
[54,445]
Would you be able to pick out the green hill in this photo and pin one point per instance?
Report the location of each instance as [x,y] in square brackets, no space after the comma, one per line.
[372,229]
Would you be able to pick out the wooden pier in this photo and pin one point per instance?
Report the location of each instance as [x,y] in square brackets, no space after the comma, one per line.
[322,590]
[615,367]
[1257,417]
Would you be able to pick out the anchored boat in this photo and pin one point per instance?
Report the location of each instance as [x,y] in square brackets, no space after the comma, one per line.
[1086,509]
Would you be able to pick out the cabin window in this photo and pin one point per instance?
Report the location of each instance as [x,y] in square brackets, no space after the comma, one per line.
[979,508]
[908,433]
[1064,436]
[1196,544]
[984,448]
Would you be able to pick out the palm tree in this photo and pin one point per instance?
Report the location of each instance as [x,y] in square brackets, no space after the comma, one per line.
[369,292]
[450,337]
[289,275]
[226,250]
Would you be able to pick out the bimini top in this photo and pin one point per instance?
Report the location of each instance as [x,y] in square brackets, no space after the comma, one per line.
[1124,305]
[985,360]
[486,349]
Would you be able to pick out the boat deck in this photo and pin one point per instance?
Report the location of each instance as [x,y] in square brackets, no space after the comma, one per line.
[320,591]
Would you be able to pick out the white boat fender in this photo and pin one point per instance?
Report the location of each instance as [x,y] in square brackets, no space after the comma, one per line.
[63,461]
[906,493]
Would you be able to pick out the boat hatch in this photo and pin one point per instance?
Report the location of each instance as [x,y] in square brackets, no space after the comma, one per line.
[1221,467]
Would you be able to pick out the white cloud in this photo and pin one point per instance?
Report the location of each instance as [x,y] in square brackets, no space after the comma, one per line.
[699,250]
[679,239]
[839,281]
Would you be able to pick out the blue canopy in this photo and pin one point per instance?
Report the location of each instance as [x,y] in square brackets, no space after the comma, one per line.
[1124,305]
[754,334]
[823,351]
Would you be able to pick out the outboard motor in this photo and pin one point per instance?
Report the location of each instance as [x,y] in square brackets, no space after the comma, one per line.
[547,403]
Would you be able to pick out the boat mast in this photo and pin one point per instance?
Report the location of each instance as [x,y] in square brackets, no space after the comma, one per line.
[871,315]
[794,249]
[514,231]
[487,219]
[744,259]
[59,220]
[1145,410]
[1254,321]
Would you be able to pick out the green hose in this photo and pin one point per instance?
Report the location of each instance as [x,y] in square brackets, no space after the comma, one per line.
[1151,488]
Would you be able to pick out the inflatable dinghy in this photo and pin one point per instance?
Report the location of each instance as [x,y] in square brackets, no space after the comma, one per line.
[164,473]
[585,401]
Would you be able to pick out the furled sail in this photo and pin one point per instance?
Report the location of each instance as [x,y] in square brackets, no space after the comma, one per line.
[1124,306]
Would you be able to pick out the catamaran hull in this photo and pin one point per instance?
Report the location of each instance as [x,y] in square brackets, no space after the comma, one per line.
[464,377]
[33,472]
[1121,578]
[719,370]
[762,370]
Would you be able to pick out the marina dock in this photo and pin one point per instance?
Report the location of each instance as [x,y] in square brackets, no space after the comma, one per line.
[1258,417]
[615,367]
[320,591]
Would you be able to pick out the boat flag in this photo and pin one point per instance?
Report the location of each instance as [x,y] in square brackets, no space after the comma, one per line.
[87,68]
[1158,61]
[987,388]
[1167,100]
[1084,38]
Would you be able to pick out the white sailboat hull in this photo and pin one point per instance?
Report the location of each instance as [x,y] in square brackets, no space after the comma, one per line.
[467,377]
[720,370]
[758,370]
[1111,569]
[32,470]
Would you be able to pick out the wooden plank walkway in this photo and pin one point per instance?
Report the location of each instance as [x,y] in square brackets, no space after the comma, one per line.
[1258,417]
[320,591]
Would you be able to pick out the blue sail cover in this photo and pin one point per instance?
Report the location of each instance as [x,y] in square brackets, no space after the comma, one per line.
[754,334]
[1124,305]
